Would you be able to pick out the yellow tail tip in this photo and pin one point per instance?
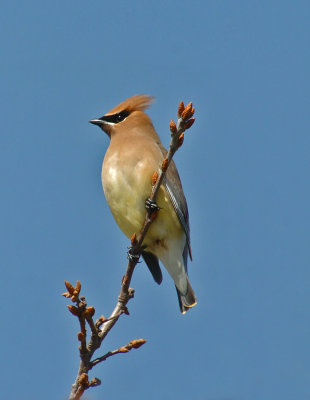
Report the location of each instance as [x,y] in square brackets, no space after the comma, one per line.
[187,307]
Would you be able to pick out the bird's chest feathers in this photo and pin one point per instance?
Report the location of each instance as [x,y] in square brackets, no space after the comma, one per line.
[126,183]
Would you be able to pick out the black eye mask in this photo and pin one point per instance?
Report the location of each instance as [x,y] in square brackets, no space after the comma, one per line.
[115,118]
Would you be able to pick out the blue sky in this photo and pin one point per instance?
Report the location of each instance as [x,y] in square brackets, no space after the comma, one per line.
[245,171]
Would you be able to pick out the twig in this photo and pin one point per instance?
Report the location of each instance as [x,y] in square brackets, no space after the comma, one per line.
[134,344]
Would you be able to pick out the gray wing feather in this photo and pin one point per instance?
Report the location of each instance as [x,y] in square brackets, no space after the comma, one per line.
[173,186]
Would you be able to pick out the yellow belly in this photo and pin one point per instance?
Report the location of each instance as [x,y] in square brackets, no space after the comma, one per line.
[126,191]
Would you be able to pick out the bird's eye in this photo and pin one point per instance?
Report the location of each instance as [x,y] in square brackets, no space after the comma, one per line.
[120,117]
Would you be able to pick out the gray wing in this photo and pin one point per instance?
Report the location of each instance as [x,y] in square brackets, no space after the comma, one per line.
[173,185]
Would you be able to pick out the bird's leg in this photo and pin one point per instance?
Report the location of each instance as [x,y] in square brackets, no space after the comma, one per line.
[151,206]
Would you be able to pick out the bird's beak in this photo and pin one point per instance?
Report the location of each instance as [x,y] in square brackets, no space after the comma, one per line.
[98,122]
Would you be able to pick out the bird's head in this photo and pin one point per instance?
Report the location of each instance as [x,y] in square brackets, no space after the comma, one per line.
[127,115]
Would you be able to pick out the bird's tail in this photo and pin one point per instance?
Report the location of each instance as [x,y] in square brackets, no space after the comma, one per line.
[187,300]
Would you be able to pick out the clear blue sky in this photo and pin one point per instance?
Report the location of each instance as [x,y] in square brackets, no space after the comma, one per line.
[245,170]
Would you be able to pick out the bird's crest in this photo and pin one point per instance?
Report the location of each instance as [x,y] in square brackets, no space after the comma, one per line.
[135,103]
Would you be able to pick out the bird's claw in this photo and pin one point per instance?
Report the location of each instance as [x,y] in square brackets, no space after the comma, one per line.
[132,257]
[151,205]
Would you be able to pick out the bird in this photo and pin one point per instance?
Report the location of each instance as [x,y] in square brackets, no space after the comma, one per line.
[134,153]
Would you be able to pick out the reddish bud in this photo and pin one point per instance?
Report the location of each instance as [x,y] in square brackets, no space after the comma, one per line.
[173,127]
[154,178]
[66,294]
[95,382]
[78,287]
[164,164]
[123,349]
[137,343]
[100,320]
[83,380]
[89,312]
[189,123]
[80,336]
[133,239]
[188,112]
[69,287]
[74,310]
[180,109]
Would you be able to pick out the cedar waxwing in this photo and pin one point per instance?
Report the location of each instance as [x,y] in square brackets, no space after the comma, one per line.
[134,154]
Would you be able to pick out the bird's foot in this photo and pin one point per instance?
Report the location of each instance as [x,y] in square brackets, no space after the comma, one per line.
[132,256]
[151,205]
